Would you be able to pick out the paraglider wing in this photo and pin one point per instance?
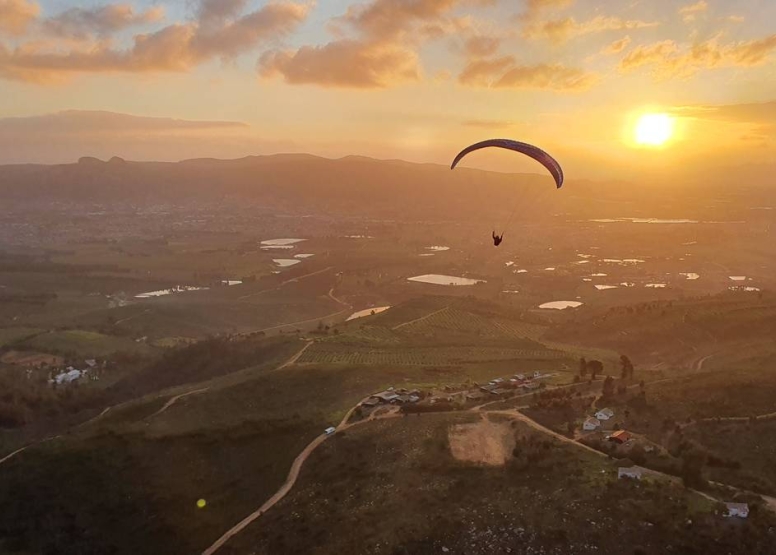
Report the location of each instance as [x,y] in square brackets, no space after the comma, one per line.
[534,152]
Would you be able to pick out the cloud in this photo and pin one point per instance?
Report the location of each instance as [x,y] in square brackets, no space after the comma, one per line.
[506,73]
[64,137]
[561,30]
[345,63]
[375,48]
[547,76]
[103,20]
[759,113]
[480,46]
[690,12]
[669,60]
[535,8]
[648,54]
[383,19]
[481,73]
[736,18]
[617,46]
[244,33]
[177,47]
[218,12]
[81,122]
[16,15]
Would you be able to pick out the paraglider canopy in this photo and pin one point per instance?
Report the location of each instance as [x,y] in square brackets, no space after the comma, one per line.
[532,151]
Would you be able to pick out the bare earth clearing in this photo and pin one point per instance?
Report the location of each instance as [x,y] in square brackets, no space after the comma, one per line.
[485,442]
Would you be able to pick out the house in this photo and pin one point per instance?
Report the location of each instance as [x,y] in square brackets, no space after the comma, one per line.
[386,396]
[591,424]
[741,510]
[475,395]
[520,377]
[531,385]
[68,377]
[500,391]
[401,399]
[91,363]
[498,380]
[537,375]
[633,472]
[604,414]
[620,436]
[488,388]
[415,398]
[330,430]
[369,403]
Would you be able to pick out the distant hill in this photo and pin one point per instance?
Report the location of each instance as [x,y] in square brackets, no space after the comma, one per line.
[352,186]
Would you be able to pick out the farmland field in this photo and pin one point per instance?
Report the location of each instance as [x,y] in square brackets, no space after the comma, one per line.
[334,353]
[83,343]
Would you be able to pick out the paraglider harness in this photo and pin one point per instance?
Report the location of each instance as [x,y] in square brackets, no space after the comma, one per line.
[497,239]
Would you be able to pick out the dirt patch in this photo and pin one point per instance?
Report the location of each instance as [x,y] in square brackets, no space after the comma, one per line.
[26,358]
[485,442]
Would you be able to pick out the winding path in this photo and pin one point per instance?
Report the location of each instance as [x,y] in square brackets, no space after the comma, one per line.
[293,474]
[701,361]
[170,402]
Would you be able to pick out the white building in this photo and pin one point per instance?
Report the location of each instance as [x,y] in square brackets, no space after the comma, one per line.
[604,414]
[69,376]
[633,472]
[591,424]
[330,430]
[741,510]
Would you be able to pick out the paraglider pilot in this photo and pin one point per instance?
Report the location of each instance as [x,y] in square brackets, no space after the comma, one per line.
[497,239]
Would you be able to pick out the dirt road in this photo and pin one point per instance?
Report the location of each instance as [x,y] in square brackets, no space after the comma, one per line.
[296,324]
[291,361]
[280,494]
[175,399]
[415,321]
[289,483]
[284,283]
[698,365]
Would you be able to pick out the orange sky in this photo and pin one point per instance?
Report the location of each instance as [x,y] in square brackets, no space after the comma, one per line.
[415,79]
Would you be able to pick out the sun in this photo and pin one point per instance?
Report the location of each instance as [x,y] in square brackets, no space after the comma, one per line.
[654,129]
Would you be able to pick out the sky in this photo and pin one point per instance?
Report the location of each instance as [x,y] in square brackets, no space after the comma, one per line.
[409,79]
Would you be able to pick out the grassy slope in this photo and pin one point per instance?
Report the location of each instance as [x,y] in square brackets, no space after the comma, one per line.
[84,344]
[679,330]
[232,446]
[377,480]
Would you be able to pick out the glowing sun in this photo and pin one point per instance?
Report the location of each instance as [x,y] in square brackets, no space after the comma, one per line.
[654,129]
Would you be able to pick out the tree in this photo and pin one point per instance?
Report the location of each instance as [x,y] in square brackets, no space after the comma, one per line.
[626,366]
[595,367]
[692,468]
[582,367]
[608,387]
